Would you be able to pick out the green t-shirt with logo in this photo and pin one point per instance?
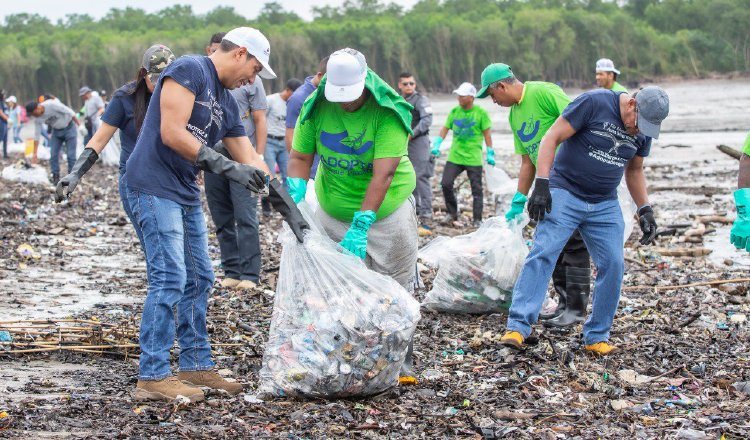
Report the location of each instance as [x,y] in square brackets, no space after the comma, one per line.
[746,147]
[468,128]
[540,106]
[348,143]
[617,87]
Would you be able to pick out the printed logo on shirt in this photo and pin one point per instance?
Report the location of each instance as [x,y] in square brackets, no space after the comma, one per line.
[342,143]
[212,115]
[623,146]
[464,128]
[528,130]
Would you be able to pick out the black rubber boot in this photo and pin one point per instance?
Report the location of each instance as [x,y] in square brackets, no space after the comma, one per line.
[578,289]
[55,179]
[558,282]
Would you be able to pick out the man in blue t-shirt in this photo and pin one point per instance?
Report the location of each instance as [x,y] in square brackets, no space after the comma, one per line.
[190,111]
[602,135]
[294,106]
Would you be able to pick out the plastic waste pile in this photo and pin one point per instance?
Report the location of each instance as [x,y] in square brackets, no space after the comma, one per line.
[338,329]
[476,271]
[24,172]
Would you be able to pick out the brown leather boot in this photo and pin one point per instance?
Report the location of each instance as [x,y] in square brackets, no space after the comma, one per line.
[166,389]
[209,379]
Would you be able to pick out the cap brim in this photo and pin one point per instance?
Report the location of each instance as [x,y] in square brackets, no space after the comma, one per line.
[648,128]
[344,93]
[482,92]
[267,72]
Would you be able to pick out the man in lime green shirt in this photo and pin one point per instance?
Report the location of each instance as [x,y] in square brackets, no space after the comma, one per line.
[360,126]
[534,107]
[470,124]
[740,234]
[606,76]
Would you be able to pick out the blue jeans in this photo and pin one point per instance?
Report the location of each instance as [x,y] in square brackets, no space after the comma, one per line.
[234,210]
[181,277]
[122,187]
[601,226]
[4,138]
[276,153]
[68,137]
[17,133]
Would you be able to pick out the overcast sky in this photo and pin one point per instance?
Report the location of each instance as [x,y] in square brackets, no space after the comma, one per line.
[54,9]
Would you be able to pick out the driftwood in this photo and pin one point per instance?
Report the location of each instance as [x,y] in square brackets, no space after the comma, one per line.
[730,151]
[684,286]
[683,252]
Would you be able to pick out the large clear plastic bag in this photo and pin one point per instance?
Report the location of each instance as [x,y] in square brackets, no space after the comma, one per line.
[22,172]
[498,181]
[338,329]
[628,207]
[476,271]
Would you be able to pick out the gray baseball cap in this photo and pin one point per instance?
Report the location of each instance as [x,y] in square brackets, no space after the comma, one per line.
[83,90]
[652,105]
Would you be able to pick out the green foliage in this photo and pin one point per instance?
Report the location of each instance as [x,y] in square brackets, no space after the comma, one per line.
[444,42]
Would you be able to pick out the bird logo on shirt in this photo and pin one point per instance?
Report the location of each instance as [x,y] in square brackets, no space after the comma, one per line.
[616,143]
[464,128]
[342,143]
[526,137]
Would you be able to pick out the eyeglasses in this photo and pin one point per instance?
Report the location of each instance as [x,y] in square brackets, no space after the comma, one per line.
[410,83]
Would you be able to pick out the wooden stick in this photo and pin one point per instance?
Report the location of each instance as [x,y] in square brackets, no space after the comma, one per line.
[730,151]
[634,261]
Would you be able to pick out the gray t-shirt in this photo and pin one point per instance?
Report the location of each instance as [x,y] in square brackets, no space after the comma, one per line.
[56,114]
[250,98]
[276,115]
[92,106]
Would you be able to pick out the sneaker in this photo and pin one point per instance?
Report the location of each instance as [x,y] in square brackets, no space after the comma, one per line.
[246,285]
[229,283]
[424,230]
[603,348]
[211,380]
[512,339]
[449,220]
[476,223]
[167,389]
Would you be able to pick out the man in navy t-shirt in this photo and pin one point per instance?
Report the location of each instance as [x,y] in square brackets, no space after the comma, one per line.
[189,113]
[602,135]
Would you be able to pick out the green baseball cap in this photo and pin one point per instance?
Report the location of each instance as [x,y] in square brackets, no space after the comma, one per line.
[492,73]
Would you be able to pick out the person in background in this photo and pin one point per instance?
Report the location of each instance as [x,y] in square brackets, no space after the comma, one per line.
[470,125]
[294,106]
[63,122]
[419,149]
[233,208]
[126,112]
[105,98]
[4,123]
[276,151]
[740,233]
[16,118]
[606,76]
[93,108]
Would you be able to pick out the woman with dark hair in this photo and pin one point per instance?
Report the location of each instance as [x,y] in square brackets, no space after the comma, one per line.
[125,111]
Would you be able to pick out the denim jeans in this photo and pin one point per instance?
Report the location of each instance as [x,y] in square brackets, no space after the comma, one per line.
[17,133]
[276,153]
[68,137]
[601,226]
[181,277]
[122,187]
[4,138]
[234,210]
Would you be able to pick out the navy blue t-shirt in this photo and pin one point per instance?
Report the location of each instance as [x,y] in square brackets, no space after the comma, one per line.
[156,169]
[119,113]
[294,103]
[591,163]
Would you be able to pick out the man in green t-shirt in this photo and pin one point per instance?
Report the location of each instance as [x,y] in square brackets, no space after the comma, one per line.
[740,234]
[360,126]
[470,125]
[606,76]
[534,107]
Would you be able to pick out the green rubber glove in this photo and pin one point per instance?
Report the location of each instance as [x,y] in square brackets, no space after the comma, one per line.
[297,188]
[491,157]
[436,141]
[741,227]
[516,207]
[355,240]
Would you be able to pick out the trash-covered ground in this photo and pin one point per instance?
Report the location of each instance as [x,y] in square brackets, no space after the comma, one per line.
[682,323]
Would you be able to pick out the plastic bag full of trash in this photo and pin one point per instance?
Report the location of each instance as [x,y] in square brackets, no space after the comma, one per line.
[476,271]
[498,181]
[338,329]
[110,156]
[24,172]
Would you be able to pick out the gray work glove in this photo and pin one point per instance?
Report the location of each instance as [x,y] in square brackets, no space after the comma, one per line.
[246,175]
[67,184]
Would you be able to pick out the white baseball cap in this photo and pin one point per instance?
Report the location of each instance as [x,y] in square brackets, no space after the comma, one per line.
[11,99]
[346,74]
[606,65]
[256,44]
[466,89]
